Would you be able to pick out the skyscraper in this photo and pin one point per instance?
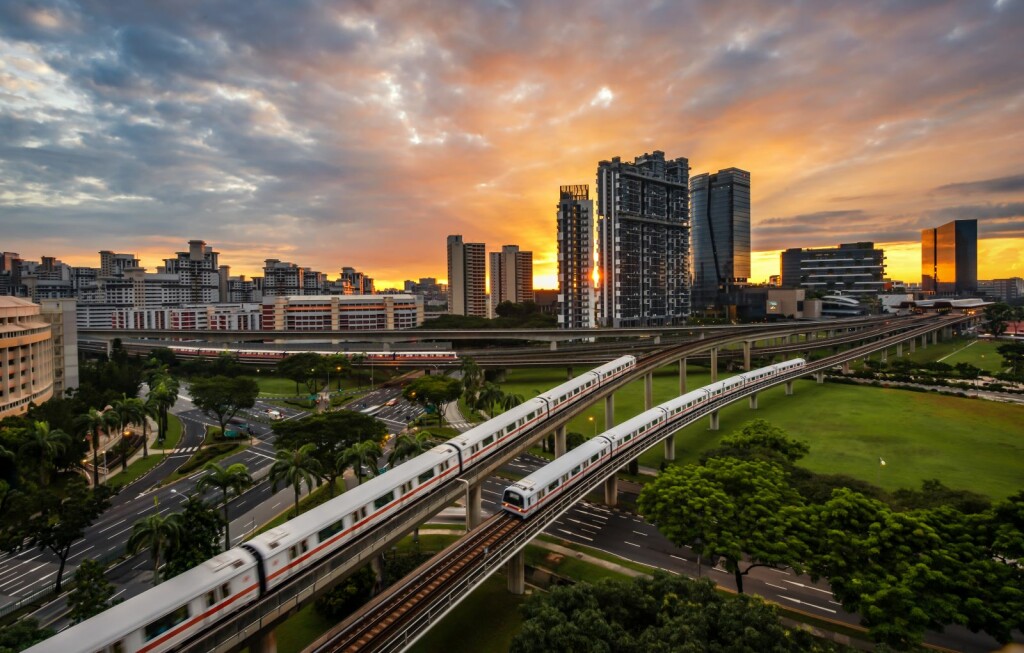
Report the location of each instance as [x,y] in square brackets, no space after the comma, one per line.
[511,277]
[949,258]
[467,294]
[643,241]
[575,258]
[849,269]
[720,210]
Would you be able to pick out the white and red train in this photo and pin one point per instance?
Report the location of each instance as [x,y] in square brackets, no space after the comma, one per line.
[167,616]
[528,495]
[273,355]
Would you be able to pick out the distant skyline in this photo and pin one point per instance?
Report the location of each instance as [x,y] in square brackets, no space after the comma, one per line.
[362,134]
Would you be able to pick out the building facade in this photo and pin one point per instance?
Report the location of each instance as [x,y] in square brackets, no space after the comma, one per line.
[643,227]
[196,271]
[511,275]
[26,356]
[61,315]
[850,268]
[949,258]
[467,278]
[342,313]
[720,216]
[1010,291]
[576,297]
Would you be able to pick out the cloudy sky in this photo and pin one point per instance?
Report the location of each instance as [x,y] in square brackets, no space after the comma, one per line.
[361,133]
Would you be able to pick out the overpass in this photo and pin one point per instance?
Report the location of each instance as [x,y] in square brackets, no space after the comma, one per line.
[253,626]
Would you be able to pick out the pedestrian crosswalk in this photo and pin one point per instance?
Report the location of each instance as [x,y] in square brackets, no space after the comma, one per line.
[184,450]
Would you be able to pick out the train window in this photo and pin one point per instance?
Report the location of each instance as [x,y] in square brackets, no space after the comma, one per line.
[211,599]
[425,476]
[576,469]
[165,623]
[293,552]
[628,438]
[553,486]
[513,498]
[593,459]
[383,500]
[333,529]
[117,647]
[489,439]
[444,465]
[225,589]
[406,487]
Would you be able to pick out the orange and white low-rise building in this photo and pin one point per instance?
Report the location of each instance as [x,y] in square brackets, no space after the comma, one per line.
[26,356]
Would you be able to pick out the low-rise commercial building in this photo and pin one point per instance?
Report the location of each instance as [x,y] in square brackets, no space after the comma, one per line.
[342,312]
[26,356]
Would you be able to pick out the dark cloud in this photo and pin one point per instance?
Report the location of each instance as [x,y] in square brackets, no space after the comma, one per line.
[1010,184]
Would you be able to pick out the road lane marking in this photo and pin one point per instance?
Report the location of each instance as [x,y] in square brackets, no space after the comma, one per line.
[631,544]
[820,607]
[589,539]
[810,587]
[778,587]
[678,557]
[639,533]
[113,525]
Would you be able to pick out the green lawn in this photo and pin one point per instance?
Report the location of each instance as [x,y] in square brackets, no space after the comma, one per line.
[173,432]
[278,386]
[980,353]
[965,443]
[135,470]
[301,629]
[486,620]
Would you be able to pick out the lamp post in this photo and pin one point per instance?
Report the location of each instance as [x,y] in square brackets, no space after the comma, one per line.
[337,368]
[590,418]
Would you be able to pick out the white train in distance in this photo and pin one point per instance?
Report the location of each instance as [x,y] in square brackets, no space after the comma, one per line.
[528,495]
[169,615]
[272,356]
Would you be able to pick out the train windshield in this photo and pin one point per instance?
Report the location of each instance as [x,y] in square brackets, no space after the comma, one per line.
[513,498]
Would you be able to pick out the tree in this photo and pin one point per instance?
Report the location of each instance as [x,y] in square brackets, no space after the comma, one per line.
[301,368]
[653,615]
[410,445]
[42,447]
[998,315]
[434,392]
[198,537]
[968,372]
[92,594]
[221,397]
[163,395]
[487,397]
[233,479]
[759,440]
[22,634]
[158,534]
[738,510]
[472,379]
[295,468]
[360,455]
[1013,357]
[511,400]
[93,423]
[330,433]
[56,522]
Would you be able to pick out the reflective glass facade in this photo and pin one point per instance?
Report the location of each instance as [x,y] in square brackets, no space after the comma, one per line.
[949,258]
[720,210]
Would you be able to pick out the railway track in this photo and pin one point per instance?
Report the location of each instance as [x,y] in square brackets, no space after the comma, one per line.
[371,627]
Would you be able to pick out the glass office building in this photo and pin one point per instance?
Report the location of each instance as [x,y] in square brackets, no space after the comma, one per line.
[720,214]
[949,258]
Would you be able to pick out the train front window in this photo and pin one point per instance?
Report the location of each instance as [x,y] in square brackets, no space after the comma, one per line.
[513,499]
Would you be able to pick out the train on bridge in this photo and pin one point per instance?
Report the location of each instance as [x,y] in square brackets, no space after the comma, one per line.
[271,356]
[168,616]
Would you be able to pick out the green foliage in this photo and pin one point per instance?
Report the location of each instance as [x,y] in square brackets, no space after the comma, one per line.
[302,368]
[295,468]
[206,454]
[759,440]
[933,494]
[92,593]
[198,539]
[662,614]
[434,391]
[330,433]
[221,397]
[158,534]
[1013,357]
[361,455]
[410,445]
[347,597]
[22,634]
[998,314]
[743,511]
[234,479]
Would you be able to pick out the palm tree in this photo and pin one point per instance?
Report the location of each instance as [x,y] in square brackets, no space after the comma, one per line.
[92,423]
[158,534]
[488,396]
[140,411]
[126,413]
[235,478]
[295,468]
[165,393]
[410,445]
[511,400]
[42,447]
[361,454]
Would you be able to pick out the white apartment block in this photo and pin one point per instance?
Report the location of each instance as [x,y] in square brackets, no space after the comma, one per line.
[342,312]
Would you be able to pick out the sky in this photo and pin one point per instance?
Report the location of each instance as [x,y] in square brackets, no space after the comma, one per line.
[362,133]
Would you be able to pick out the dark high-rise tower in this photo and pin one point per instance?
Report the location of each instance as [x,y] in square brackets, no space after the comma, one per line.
[949,258]
[575,258]
[720,213]
[643,241]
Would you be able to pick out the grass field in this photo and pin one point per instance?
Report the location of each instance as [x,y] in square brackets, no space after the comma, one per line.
[965,443]
[980,353]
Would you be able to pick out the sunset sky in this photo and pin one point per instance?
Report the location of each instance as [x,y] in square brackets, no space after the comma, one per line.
[360,134]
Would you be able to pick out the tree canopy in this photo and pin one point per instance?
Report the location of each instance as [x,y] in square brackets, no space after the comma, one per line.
[221,397]
[330,434]
[434,391]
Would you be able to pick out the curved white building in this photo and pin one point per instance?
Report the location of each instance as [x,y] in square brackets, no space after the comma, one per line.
[26,356]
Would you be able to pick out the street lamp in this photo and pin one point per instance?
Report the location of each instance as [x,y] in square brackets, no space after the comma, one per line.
[590,418]
[337,369]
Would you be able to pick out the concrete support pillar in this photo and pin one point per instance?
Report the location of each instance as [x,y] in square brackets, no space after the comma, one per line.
[609,411]
[649,391]
[899,350]
[789,388]
[794,338]
[474,511]
[913,345]
[377,567]
[885,355]
[752,400]
[670,447]
[264,642]
[611,491]
[746,355]
[846,367]
[935,337]
[568,373]
[657,340]
[560,441]
[516,568]
[554,345]
[819,377]
[924,341]
[714,421]
[682,376]
[714,364]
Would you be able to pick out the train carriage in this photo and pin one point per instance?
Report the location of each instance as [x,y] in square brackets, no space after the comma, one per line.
[528,494]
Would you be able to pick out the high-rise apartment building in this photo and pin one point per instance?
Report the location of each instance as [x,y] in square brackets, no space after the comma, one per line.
[720,215]
[196,270]
[576,299]
[511,275]
[949,258]
[643,241]
[114,265]
[850,269]
[467,287]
